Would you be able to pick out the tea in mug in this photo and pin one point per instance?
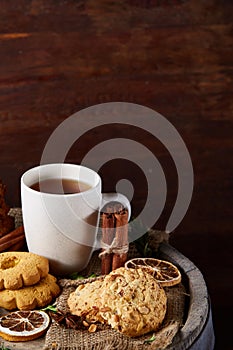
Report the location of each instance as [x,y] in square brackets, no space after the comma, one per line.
[60,186]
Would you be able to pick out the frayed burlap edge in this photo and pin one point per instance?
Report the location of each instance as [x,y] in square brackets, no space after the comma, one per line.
[60,338]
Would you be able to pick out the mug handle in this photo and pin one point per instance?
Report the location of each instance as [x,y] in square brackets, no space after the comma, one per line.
[108,198]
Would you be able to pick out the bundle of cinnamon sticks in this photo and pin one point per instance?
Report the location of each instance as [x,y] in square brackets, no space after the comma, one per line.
[11,238]
[13,241]
[114,223]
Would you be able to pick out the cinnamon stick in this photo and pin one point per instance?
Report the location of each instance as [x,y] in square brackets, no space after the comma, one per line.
[17,246]
[114,237]
[13,240]
[121,239]
[7,245]
[11,235]
[108,223]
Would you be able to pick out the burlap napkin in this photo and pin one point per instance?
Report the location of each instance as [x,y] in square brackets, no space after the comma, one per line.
[61,338]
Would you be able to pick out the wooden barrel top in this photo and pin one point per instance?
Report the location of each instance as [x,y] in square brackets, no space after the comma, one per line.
[198,315]
[198,306]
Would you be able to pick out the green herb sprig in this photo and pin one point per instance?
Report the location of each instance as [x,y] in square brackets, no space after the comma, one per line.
[52,308]
[150,340]
[76,276]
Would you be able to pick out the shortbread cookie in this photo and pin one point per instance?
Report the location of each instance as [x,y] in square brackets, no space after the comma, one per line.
[132,301]
[85,301]
[29,298]
[18,269]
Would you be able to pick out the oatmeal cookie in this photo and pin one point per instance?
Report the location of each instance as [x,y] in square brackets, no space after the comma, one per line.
[85,301]
[18,269]
[133,302]
[31,297]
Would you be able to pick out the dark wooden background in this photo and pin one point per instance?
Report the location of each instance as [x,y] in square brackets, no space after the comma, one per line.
[174,56]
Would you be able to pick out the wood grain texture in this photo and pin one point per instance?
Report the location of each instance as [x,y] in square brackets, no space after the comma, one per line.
[58,57]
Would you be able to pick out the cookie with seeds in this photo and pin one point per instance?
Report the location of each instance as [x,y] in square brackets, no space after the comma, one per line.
[85,301]
[133,303]
[18,269]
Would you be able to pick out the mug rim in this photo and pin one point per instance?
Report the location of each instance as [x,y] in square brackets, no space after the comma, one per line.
[37,169]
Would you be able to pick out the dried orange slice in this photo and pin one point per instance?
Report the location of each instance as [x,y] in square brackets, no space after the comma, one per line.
[23,325]
[163,271]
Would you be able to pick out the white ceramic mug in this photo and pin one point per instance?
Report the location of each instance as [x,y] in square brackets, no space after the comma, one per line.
[63,227]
